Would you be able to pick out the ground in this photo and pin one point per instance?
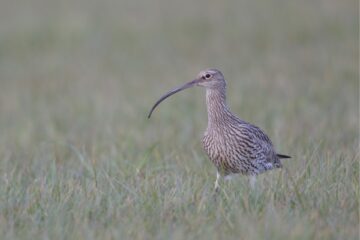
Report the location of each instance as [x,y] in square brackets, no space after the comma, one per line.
[80,160]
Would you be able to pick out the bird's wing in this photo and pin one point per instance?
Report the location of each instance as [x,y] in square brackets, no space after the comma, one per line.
[258,144]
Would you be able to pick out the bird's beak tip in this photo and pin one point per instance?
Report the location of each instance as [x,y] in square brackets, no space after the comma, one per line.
[187,85]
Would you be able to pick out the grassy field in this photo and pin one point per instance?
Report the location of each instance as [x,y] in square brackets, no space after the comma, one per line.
[80,160]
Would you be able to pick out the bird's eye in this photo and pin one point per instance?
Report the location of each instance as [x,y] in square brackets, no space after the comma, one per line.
[207,76]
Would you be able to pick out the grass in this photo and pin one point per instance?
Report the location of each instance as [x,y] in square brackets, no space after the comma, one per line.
[80,160]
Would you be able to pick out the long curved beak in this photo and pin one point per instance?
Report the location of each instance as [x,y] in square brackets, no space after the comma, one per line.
[172,92]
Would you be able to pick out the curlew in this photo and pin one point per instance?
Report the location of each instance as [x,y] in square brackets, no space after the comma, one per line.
[232,145]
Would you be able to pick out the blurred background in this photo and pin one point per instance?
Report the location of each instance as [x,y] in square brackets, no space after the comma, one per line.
[69,68]
[77,79]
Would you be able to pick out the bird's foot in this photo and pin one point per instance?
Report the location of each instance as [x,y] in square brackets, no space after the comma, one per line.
[217,187]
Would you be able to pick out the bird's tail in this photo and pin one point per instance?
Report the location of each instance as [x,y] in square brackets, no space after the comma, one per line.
[283,156]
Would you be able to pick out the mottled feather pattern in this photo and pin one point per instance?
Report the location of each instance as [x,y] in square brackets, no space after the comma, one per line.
[233,145]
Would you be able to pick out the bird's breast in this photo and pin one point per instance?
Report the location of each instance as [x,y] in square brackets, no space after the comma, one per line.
[218,145]
[225,149]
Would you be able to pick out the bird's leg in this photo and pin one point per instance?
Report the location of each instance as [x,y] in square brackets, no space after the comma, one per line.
[217,181]
[252,181]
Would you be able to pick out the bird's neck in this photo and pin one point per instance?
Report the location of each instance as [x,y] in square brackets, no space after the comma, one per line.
[218,112]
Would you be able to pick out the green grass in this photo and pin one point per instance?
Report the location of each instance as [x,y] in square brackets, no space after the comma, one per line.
[80,160]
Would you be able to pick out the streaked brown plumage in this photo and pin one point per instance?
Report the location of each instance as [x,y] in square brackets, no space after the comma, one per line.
[233,145]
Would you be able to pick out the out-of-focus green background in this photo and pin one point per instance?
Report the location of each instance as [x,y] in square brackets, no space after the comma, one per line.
[80,160]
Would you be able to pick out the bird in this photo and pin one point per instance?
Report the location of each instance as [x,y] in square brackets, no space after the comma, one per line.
[233,145]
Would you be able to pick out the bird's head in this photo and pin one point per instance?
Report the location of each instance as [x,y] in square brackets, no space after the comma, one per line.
[209,78]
